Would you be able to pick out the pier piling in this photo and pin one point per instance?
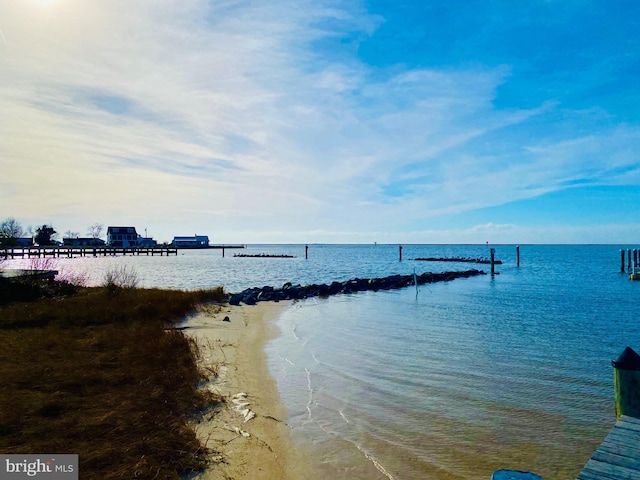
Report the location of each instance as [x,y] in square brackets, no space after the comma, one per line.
[306,252]
[493,262]
[621,260]
[626,380]
[400,252]
[518,256]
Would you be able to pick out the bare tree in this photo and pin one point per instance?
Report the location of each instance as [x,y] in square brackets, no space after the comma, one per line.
[70,234]
[10,231]
[11,228]
[95,230]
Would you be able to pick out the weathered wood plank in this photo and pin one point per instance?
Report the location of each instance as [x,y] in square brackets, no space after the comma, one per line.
[627,419]
[617,460]
[587,474]
[606,470]
[634,427]
[630,451]
[622,437]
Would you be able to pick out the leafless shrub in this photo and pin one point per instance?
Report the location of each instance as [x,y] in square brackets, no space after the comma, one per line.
[122,277]
[42,263]
[78,279]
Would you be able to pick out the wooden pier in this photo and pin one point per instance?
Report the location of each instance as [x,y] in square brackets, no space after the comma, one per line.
[618,457]
[70,252]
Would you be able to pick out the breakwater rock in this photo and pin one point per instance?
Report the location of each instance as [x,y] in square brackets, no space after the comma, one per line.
[251,296]
[458,259]
[262,255]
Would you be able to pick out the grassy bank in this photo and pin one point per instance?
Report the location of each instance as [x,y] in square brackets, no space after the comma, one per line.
[98,374]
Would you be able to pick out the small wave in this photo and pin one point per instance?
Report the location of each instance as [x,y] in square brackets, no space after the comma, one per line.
[375,462]
[295,334]
[310,392]
[315,359]
[285,359]
[366,454]
[344,416]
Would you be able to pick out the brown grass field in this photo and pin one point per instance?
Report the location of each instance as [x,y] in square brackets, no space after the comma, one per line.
[98,373]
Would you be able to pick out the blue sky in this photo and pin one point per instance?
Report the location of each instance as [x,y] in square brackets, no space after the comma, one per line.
[324,121]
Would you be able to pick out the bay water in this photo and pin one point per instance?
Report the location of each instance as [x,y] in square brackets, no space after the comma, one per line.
[452,380]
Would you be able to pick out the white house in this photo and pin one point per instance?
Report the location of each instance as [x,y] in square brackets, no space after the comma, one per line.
[122,237]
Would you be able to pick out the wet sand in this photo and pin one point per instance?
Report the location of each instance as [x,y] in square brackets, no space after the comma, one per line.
[248,431]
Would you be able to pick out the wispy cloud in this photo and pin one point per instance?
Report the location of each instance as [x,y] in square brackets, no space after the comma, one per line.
[243,113]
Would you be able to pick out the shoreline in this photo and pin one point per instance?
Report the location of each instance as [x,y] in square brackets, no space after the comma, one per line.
[248,433]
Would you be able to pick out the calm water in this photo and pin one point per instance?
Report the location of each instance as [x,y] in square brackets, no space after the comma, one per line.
[451,382]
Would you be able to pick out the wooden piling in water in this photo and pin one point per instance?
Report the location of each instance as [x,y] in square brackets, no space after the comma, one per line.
[628,259]
[621,260]
[518,255]
[400,252]
[493,261]
[306,252]
[626,381]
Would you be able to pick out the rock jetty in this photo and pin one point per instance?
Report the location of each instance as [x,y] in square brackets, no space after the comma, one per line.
[459,259]
[251,296]
[262,255]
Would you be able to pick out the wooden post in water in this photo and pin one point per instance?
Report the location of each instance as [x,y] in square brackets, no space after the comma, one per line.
[626,381]
[628,259]
[306,252]
[493,258]
[223,251]
[635,257]
[622,261]
[518,255]
[400,252]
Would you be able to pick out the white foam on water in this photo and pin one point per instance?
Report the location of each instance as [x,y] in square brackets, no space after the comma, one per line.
[310,392]
[375,462]
[295,334]
[344,416]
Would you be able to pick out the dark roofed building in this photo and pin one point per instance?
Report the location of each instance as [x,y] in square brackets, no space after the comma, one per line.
[83,242]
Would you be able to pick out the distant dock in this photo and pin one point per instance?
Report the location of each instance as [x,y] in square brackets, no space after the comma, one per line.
[70,252]
[101,251]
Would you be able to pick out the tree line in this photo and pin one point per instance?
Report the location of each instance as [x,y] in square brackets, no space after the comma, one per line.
[45,235]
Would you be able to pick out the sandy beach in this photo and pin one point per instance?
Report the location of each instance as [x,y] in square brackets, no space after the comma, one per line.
[248,431]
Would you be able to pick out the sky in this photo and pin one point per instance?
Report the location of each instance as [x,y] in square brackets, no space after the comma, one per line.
[324,121]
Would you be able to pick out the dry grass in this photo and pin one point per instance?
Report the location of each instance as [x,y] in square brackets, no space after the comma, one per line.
[98,374]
